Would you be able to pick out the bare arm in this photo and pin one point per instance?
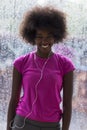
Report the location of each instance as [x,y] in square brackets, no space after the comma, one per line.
[67,100]
[15,95]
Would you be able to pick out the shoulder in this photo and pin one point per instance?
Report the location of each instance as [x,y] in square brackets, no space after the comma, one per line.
[63,59]
[23,58]
[20,61]
[65,63]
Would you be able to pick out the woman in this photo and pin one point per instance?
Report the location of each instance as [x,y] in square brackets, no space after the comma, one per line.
[42,75]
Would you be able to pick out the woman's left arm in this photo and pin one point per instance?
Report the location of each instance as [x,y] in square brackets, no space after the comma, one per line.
[67,100]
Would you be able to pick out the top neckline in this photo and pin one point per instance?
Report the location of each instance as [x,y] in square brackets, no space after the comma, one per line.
[41,58]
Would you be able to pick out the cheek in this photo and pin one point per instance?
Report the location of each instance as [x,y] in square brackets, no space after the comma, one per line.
[52,42]
[37,43]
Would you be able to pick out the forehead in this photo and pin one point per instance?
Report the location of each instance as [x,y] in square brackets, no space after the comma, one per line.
[43,32]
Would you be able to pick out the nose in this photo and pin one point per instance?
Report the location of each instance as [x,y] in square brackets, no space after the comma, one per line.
[45,39]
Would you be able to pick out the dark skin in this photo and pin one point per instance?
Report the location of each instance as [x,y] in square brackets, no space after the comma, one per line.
[16,89]
[44,41]
[67,100]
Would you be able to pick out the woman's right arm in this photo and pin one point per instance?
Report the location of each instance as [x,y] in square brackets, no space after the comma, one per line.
[15,95]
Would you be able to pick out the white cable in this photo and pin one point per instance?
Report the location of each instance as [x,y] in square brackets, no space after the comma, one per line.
[20,127]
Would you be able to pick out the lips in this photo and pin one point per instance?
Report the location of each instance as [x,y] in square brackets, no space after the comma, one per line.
[45,45]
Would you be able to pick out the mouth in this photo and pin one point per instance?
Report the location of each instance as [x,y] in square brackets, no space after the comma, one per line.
[45,46]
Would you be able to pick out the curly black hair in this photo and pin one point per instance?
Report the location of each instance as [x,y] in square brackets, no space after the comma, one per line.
[48,18]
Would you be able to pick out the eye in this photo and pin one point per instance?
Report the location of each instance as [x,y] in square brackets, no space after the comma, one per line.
[39,37]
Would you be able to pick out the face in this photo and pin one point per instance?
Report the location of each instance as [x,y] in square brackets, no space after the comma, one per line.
[44,41]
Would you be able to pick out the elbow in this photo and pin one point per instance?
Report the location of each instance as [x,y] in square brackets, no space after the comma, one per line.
[67,105]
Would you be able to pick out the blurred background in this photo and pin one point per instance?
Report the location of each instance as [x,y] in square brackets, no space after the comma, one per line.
[74,47]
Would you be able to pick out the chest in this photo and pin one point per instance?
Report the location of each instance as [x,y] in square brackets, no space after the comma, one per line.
[47,74]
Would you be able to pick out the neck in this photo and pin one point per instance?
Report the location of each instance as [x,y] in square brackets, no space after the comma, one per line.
[44,55]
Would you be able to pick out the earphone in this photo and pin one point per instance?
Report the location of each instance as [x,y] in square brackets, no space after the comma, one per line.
[36,86]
